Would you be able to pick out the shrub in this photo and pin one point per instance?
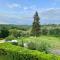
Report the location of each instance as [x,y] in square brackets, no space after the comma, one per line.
[31,45]
[14,43]
[44,31]
[25,34]
[1,38]
[11,52]
[11,37]
[15,32]
[4,33]
[43,46]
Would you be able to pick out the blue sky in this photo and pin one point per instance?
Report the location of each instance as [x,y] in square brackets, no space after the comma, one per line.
[22,11]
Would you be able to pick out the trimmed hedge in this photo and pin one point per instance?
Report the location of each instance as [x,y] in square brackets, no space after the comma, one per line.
[11,52]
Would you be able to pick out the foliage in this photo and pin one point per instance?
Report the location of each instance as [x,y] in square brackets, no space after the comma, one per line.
[36,26]
[24,34]
[21,30]
[18,33]
[12,26]
[15,33]
[40,46]
[31,45]
[1,38]
[44,31]
[43,46]
[11,52]
[4,33]
[55,32]
[51,31]
[10,37]
[50,41]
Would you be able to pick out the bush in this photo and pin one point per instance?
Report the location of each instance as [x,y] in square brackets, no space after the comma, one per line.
[31,45]
[40,46]
[55,32]
[11,52]
[25,34]
[11,37]
[44,31]
[4,33]
[1,38]
[43,46]
[15,32]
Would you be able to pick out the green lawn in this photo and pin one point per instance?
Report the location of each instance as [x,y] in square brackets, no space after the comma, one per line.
[2,57]
[53,41]
[12,52]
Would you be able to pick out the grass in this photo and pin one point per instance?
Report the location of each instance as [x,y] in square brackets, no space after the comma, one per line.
[20,53]
[4,58]
[53,41]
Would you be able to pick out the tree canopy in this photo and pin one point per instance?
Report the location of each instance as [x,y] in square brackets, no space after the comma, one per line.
[36,25]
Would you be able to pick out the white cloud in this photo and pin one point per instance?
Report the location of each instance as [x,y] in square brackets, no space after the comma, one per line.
[50,14]
[33,7]
[14,5]
[25,8]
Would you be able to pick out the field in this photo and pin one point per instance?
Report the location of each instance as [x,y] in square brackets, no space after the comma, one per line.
[53,41]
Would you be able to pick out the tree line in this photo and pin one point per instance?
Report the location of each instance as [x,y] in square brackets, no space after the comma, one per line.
[36,29]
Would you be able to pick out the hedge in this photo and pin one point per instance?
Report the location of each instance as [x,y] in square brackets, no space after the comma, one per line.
[11,52]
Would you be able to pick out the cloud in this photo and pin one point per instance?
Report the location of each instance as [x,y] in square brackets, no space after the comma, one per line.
[21,16]
[32,7]
[25,8]
[13,20]
[49,15]
[14,5]
[54,3]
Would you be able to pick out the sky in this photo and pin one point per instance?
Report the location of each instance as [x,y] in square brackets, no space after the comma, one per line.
[22,11]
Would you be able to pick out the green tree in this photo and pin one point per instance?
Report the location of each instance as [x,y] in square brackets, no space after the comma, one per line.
[16,33]
[4,32]
[36,25]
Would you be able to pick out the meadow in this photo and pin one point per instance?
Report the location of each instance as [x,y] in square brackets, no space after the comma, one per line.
[53,41]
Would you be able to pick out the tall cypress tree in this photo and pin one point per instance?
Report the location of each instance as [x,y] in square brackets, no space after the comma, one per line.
[36,25]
